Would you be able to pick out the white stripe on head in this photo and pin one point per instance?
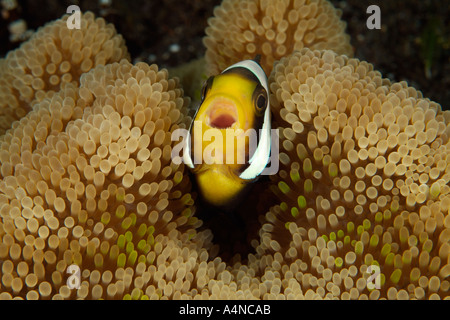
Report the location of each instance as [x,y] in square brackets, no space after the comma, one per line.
[261,156]
[187,147]
[254,68]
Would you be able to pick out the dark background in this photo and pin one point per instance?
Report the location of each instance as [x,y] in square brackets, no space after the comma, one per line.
[414,33]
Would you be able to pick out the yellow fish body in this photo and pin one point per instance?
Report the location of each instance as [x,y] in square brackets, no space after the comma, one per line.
[230,133]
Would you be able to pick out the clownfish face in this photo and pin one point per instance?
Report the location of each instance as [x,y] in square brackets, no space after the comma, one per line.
[230,132]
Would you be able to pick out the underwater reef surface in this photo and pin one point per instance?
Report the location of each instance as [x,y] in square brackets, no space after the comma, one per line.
[87,177]
[415,34]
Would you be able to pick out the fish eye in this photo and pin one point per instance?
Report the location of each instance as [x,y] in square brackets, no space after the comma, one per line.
[260,100]
[207,87]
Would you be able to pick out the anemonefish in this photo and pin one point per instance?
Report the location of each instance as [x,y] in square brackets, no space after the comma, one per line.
[234,111]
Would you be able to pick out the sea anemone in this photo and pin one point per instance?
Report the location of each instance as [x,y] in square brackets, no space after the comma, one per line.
[241,30]
[54,56]
[363,181]
[87,179]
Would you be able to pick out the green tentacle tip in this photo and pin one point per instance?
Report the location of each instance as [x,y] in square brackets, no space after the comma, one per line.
[129,248]
[120,211]
[301,202]
[414,275]
[127,297]
[187,212]
[287,224]
[375,263]
[121,241]
[307,166]
[374,241]
[142,230]
[78,259]
[120,194]
[427,245]
[390,259]
[378,217]
[98,262]
[284,187]
[435,190]
[294,212]
[360,230]
[126,223]
[284,206]
[366,224]
[145,297]
[150,230]
[106,217]
[150,259]
[368,259]
[141,245]
[333,170]
[121,260]
[326,161]
[346,240]
[398,263]
[132,258]
[396,275]
[318,155]
[301,152]
[136,294]
[192,220]
[295,176]
[325,238]
[186,199]
[308,185]
[386,250]
[177,179]
[129,236]
[403,236]
[338,262]
[104,250]
[114,252]
[142,258]
[382,278]
[406,258]
[133,217]
[340,234]
[333,236]
[359,247]
[387,215]
[394,206]
[150,240]
[350,227]
[90,251]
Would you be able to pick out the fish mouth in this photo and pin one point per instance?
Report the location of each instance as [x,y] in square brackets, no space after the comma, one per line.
[222,114]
